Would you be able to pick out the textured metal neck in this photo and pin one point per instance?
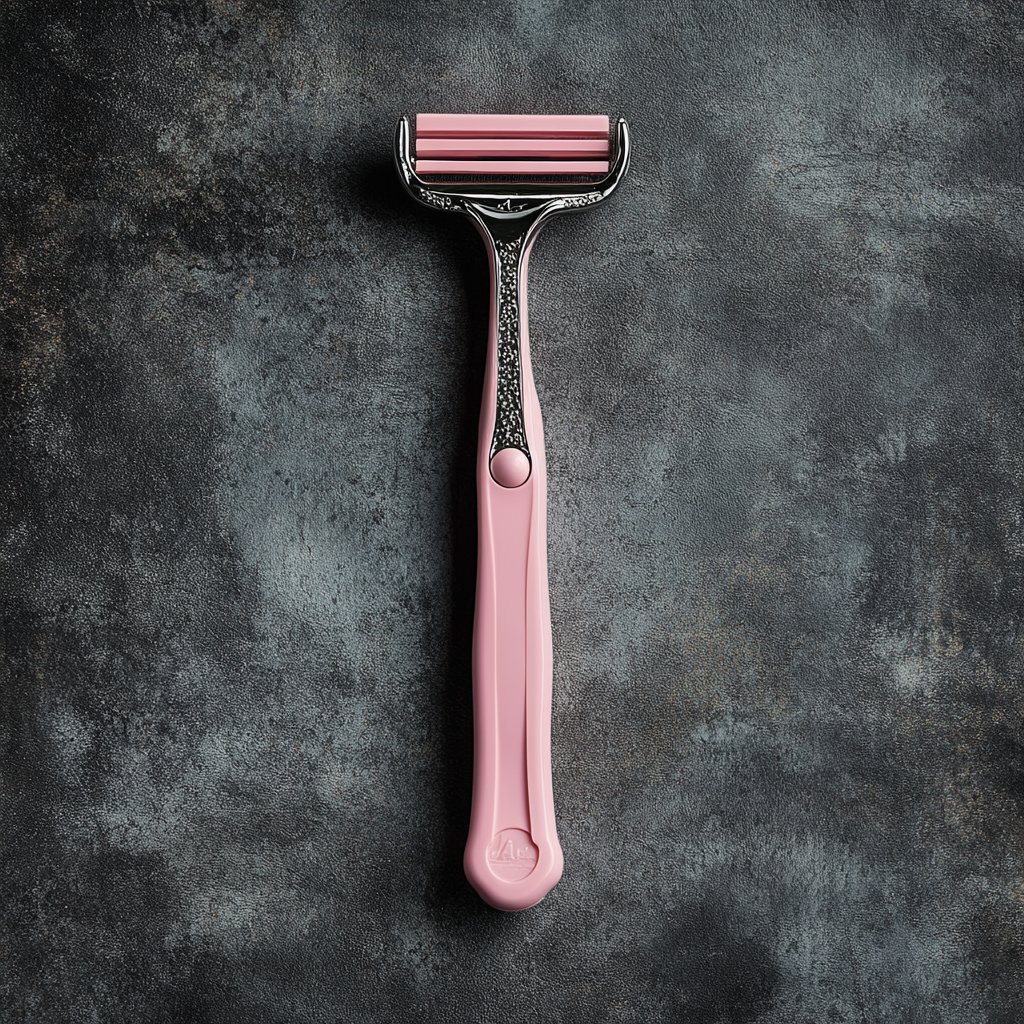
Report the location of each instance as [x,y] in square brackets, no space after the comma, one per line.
[508,238]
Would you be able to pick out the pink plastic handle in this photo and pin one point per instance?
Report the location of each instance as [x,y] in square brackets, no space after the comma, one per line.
[513,858]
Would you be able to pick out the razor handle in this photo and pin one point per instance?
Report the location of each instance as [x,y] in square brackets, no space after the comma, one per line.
[513,858]
[509,173]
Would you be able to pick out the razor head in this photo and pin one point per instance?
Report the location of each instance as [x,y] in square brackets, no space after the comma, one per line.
[502,147]
[495,158]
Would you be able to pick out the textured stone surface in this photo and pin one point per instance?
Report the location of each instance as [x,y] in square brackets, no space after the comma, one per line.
[782,377]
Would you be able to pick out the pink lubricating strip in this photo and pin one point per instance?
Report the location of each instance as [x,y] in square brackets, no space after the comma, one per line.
[512,126]
[552,149]
[511,166]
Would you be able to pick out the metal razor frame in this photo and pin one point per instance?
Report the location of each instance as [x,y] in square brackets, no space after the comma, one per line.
[508,215]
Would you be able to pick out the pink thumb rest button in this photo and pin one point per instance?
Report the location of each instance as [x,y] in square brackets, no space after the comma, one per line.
[510,467]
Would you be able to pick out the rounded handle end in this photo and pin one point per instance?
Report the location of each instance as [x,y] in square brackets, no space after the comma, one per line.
[510,871]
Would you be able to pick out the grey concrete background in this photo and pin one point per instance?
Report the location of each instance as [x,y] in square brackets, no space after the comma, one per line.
[782,376]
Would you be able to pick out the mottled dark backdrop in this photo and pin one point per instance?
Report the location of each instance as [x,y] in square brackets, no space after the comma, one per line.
[782,374]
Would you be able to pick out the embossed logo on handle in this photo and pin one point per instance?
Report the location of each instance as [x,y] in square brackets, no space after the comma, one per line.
[512,854]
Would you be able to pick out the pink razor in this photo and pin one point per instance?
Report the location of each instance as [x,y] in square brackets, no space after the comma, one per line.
[509,174]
